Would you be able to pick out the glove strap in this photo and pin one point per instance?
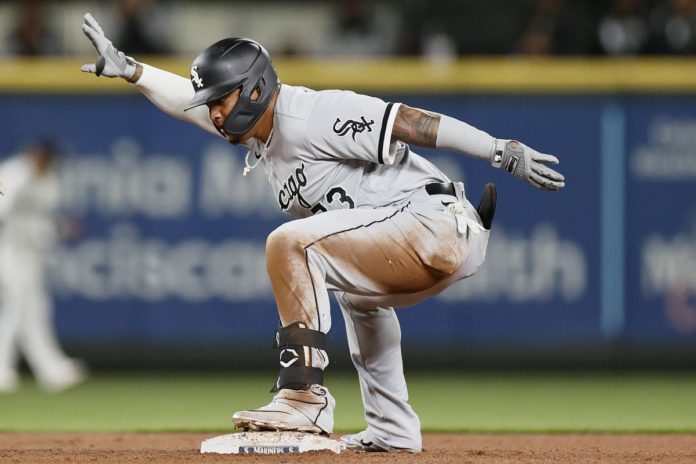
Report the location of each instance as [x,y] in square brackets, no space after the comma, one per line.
[498,153]
[131,67]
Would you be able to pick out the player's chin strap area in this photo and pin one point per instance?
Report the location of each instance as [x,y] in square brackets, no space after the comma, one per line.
[295,342]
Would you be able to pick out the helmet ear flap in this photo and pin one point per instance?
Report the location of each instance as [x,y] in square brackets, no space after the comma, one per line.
[247,110]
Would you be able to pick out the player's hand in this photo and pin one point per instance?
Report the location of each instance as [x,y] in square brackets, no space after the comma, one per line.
[111,62]
[527,164]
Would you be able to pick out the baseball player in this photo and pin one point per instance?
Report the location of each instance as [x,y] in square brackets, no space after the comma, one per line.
[377,225]
[27,233]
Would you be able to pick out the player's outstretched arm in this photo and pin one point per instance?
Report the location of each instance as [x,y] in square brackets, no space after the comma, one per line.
[169,92]
[432,130]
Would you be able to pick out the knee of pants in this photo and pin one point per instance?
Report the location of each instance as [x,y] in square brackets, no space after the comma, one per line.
[281,243]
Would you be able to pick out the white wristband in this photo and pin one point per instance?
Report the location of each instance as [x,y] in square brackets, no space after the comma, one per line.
[456,135]
[131,66]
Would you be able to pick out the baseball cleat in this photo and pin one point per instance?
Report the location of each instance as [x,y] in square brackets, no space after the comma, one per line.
[9,381]
[365,441]
[360,442]
[308,411]
[63,376]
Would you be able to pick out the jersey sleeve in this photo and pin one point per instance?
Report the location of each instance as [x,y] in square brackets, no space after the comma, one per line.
[171,94]
[346,125]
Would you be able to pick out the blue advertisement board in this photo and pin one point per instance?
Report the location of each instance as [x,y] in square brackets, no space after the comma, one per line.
[661,221]
[172,249]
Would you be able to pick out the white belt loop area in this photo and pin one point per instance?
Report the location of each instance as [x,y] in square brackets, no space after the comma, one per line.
[464,220]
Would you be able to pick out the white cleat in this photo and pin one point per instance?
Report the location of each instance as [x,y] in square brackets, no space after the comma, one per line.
[310,410]
[63,377]
[9,381]
[365,441]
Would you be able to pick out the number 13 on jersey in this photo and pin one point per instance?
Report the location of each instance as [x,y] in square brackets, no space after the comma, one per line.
[335,194]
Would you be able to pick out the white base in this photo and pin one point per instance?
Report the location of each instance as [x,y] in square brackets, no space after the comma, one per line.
[269,443]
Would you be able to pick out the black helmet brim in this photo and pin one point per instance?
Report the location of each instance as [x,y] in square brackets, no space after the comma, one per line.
[205,96]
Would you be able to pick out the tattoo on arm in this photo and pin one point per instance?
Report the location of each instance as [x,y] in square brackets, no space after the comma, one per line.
[414,126]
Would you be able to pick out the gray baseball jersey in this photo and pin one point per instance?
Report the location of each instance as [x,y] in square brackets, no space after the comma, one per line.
[332,150]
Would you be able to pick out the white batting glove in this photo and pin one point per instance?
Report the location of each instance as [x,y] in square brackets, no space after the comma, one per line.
[527,164]
[111,62]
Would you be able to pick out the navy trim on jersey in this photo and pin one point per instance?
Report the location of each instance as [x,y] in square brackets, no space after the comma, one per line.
[382,131]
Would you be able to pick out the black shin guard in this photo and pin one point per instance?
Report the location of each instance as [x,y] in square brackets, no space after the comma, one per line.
[295,342]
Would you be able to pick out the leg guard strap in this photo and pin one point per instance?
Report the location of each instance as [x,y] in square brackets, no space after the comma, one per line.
[297,334]
[298,378]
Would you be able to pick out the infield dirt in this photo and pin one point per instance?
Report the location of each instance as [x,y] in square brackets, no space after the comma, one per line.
[156,448]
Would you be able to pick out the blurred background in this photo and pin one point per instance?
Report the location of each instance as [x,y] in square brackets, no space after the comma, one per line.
[162,261]
[444,29]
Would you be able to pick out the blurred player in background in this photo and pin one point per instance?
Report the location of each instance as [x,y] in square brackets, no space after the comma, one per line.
[393,229]
[28,231]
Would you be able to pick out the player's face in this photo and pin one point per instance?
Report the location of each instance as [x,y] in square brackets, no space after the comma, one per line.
[218,111]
